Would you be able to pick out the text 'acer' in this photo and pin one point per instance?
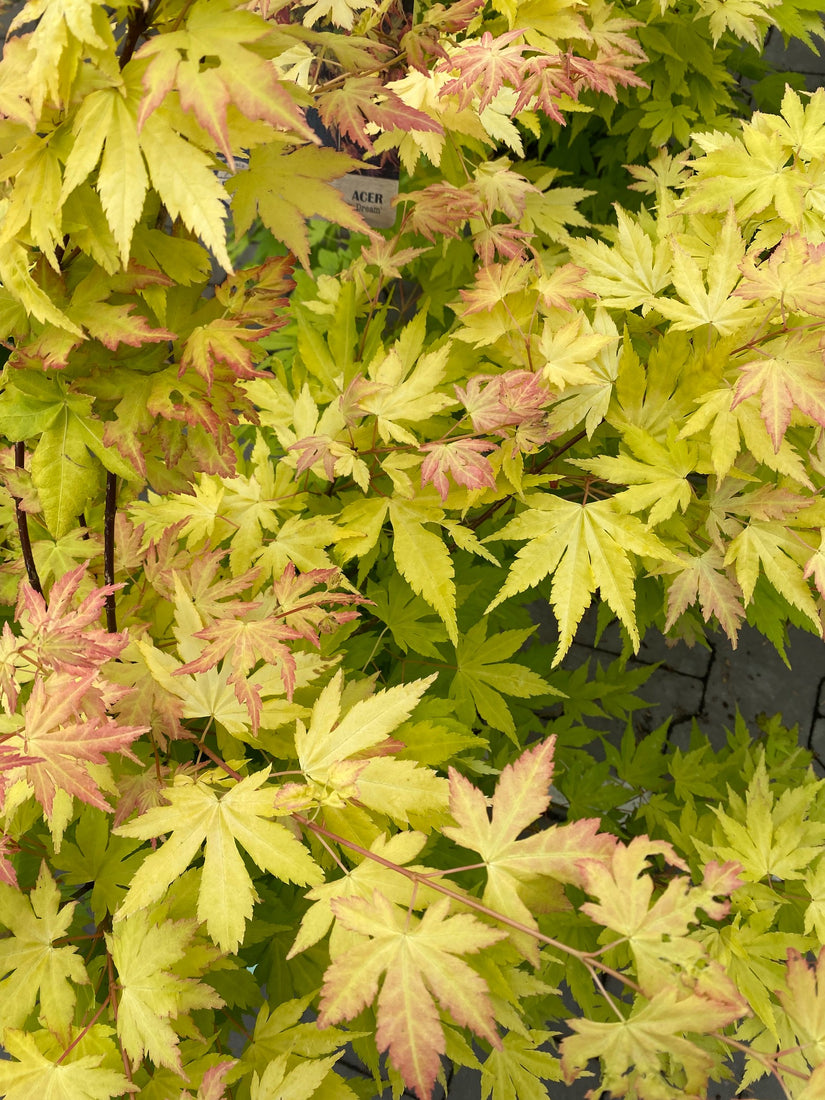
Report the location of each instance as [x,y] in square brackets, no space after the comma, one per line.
[338,338]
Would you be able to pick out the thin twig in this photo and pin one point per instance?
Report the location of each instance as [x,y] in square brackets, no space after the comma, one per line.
[109,549]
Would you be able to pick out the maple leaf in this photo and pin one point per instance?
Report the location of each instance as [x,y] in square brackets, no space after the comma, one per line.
[58,637]
[339,12]
[310,613]
[342,754]
[299,1083]
[248,642]
[83,1078]
[150,992]
[788,375]
[287,188]
[484,65]
[441,209]
[655,932]
[632,1050]
[363,102]
[421,961]
[704,577]
[768,836]
[712,305]
[484,676]
[463,459]
[223,340]
[657,472]
[242,78]
[360,882]
[423,560]
[66,731]
[31,967]
[803,998]
[518,1070]
[630,272]
[774,548]
[793,275]
[513,864]
[752,171]
[587,545]
[196,814]
[98,857]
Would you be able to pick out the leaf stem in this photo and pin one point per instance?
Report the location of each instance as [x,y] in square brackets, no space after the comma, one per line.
[23,526]
[84,1031]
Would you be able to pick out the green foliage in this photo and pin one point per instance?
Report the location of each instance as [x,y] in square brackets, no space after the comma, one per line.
[285,765]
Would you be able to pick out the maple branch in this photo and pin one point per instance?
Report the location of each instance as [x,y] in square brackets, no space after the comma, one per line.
[109,549]
[136,27]
[23,526]
[584,957]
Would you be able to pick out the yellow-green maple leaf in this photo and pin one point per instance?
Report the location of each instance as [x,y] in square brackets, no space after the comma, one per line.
[775,550]
[422,558]
[588,546]
[150,992]
[631,271]
[34,1074]
[768,836]
[713,304]
[199,813]
[519,1070]
[31,967]
[657,472]
[421,962]
[335,755]
[633,1051]
[804,1001]
[286,188]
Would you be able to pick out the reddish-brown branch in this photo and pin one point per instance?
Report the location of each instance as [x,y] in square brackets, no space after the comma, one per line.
[23,526]
[109,550]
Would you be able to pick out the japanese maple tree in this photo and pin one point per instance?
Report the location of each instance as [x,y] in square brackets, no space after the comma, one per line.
[287,777]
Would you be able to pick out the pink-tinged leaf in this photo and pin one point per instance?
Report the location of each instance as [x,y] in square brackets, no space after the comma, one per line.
[58,637]
[463,460]
[7,871]
[113,325]
[789,377]
[440,210]
[409,1028]
[362,100]
[794,276]
[564,285]
[720,880]
[311,613]
[484,66]
[213,1084]
[421,961]
[246,642]
[514,862]
[64,732]
[706,578]
[522,793]
[221,341]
